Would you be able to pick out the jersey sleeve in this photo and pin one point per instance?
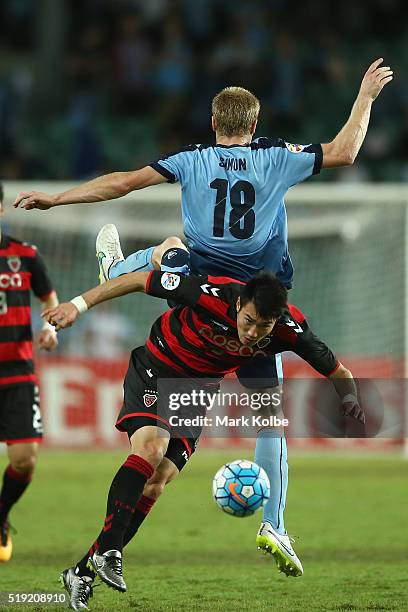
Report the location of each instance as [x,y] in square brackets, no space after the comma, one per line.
[40,281]
[216,295]
[296,162]
[174,166]
[313,350]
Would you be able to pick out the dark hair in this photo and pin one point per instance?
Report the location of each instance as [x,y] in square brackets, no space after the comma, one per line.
[267,293]
[1,192]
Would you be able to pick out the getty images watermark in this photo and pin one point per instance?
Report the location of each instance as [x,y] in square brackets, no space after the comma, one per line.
[308,408]
[189,406]
[195,400]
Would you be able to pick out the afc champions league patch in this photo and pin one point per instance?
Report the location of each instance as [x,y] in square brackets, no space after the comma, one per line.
[149,399]
[170,281]
[14,263]
[295,148]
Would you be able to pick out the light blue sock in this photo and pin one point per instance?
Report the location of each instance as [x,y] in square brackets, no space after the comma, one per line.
[141,261]
[271,453]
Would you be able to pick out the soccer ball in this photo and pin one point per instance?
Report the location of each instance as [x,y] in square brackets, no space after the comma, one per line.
[241,487]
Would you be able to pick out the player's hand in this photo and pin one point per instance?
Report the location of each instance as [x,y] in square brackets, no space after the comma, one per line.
[64,315]
[375,79]
[353,410]
[47,340]
[33,199]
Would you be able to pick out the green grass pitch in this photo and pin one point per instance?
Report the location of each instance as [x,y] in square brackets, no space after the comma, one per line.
[349,513]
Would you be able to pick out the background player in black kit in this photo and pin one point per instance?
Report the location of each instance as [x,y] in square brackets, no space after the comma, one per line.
[217,325]
[22,270]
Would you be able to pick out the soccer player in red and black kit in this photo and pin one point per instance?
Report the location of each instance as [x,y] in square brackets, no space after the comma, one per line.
[21,270]
[217,325]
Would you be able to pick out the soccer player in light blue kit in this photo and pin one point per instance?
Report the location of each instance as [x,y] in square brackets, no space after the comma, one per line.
[235,223]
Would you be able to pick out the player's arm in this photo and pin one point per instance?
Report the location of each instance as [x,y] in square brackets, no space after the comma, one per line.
[65,314]
[47,338]
[343,381]
[323,360]
[343,150]
[107,187]
[185,290]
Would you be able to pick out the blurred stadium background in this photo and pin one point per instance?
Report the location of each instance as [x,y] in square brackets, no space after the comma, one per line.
[92,86]
[100,85]
[87,86]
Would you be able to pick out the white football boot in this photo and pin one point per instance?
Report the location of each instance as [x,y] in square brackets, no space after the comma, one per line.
[108,251]
[280,547]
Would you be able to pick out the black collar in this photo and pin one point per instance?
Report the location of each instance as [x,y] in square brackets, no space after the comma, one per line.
[217,144]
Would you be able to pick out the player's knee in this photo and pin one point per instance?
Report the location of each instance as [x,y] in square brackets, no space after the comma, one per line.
[156,256]
[25,464]
[172,242]
[152,451]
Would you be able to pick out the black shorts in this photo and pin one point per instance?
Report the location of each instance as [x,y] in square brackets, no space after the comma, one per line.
[140,409]
[20,416]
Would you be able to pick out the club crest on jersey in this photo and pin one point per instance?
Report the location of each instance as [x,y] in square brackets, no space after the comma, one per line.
[264,342]
[170,281]
[149,399]
[295,148]
[14,263]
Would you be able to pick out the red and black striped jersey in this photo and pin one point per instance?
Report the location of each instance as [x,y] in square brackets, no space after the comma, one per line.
[199,338]
[22,270]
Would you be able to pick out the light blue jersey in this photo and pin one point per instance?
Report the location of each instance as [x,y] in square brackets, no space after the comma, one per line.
[233,206]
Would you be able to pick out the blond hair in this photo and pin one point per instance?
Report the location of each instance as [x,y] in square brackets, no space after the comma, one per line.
[235,109]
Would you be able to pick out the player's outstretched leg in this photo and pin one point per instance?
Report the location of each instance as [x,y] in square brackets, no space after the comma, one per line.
[79,589]
[166,471]
[149,444]
[124,493]
[171,256]
[271,454]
